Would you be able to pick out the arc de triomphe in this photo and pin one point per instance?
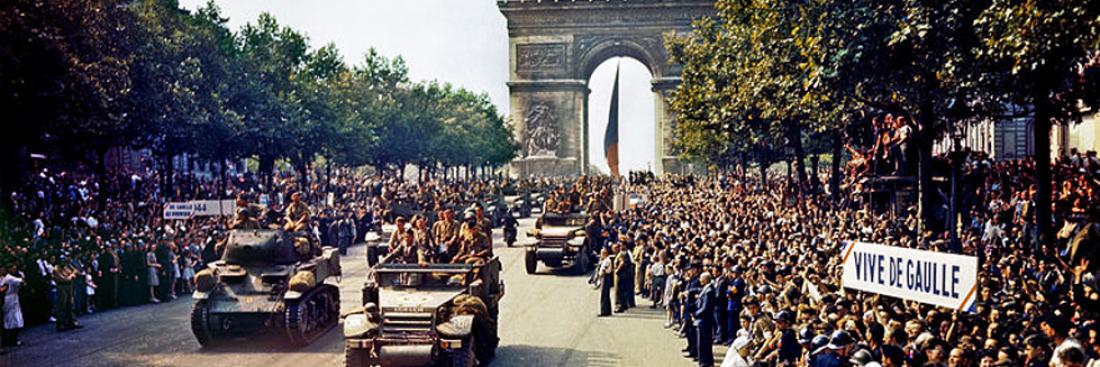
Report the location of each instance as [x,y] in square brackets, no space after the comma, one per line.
[555,45]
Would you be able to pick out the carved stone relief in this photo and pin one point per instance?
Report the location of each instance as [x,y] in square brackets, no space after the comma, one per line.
[542,131]
[540,56]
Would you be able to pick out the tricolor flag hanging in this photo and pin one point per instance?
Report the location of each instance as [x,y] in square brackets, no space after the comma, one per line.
[611,136]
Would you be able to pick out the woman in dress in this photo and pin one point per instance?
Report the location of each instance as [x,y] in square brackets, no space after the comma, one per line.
[10,281]
[154,267]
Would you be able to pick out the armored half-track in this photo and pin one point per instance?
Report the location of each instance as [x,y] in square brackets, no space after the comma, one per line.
[267,279]
[434,315]
[560,241]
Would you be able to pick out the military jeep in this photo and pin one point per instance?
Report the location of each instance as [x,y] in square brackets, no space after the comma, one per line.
[560,241]
[434,315]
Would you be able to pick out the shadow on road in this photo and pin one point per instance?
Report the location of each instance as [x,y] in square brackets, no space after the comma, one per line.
[529,355]
[271,342]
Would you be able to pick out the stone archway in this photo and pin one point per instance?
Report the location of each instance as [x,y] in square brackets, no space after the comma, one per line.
[555,45]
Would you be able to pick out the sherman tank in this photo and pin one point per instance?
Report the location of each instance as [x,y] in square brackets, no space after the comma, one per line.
[432,315]
[267,280]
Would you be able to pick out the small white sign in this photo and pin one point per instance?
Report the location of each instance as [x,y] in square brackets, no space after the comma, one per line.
[178,211]
[211,208]
[937,278]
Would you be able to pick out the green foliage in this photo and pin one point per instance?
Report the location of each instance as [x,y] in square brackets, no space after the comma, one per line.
[79,77]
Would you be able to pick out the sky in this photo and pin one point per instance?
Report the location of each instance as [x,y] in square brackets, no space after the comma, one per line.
[463,42]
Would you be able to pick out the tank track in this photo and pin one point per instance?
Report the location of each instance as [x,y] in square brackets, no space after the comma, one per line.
[311,315]
[200,324]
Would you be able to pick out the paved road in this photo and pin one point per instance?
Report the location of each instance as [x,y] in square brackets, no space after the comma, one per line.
[547,319]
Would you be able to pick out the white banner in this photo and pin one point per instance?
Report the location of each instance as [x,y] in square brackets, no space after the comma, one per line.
[937,278]
[178,211]
[210,208]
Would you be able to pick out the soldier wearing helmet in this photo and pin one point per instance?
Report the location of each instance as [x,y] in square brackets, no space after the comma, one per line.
[474,245]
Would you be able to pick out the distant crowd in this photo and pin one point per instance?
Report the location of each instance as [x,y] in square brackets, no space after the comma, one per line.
[733,262]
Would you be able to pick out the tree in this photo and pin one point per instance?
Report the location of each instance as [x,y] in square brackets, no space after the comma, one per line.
[178,74]
[1045,46]
[319,123]
[271,55]
[64,74]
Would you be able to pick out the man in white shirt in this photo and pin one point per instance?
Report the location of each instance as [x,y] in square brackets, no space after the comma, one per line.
[607,280]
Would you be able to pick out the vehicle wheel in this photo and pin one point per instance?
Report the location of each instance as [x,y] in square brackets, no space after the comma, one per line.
[200,324]
[357,358]
[465,357]
[492,339]
[531,262]
[310,316]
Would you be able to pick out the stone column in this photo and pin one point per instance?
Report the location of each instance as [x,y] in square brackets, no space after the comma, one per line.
[666,160]
[549,116]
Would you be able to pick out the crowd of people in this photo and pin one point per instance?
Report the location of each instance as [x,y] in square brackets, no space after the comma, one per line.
[728,260]
[735,263]
[76,242]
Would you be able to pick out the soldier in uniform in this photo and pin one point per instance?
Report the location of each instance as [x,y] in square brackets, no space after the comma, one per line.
[397,238]
[244,216]
[623,267]
[484,223]
[66,313]
[565,206]
[475,245]
[550,205]
[297,214]
[445,235]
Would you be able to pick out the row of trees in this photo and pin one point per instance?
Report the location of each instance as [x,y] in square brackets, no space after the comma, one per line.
[78,77]
[772,76]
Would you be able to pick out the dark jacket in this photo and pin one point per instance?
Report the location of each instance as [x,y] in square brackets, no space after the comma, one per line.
[704,307]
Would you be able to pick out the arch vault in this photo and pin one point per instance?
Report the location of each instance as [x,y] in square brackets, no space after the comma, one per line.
[555,45]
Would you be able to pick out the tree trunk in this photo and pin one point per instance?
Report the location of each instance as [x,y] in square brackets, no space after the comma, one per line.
[1043,124]
[328,173]
[299,166]
[815,181]
[794,137]
[834,179]
[267,164]
[101,172]
[221,178]
[923,140]
[744,167]
[168,170]
[763,170]
[790,172]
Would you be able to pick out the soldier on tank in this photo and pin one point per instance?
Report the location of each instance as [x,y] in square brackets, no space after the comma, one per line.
[244,216]
[297,214]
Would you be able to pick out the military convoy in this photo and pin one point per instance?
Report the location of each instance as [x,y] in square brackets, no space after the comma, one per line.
[433,315]
[560,241]
[267,279]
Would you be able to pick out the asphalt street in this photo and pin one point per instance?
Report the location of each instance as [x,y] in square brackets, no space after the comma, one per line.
[546,319]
